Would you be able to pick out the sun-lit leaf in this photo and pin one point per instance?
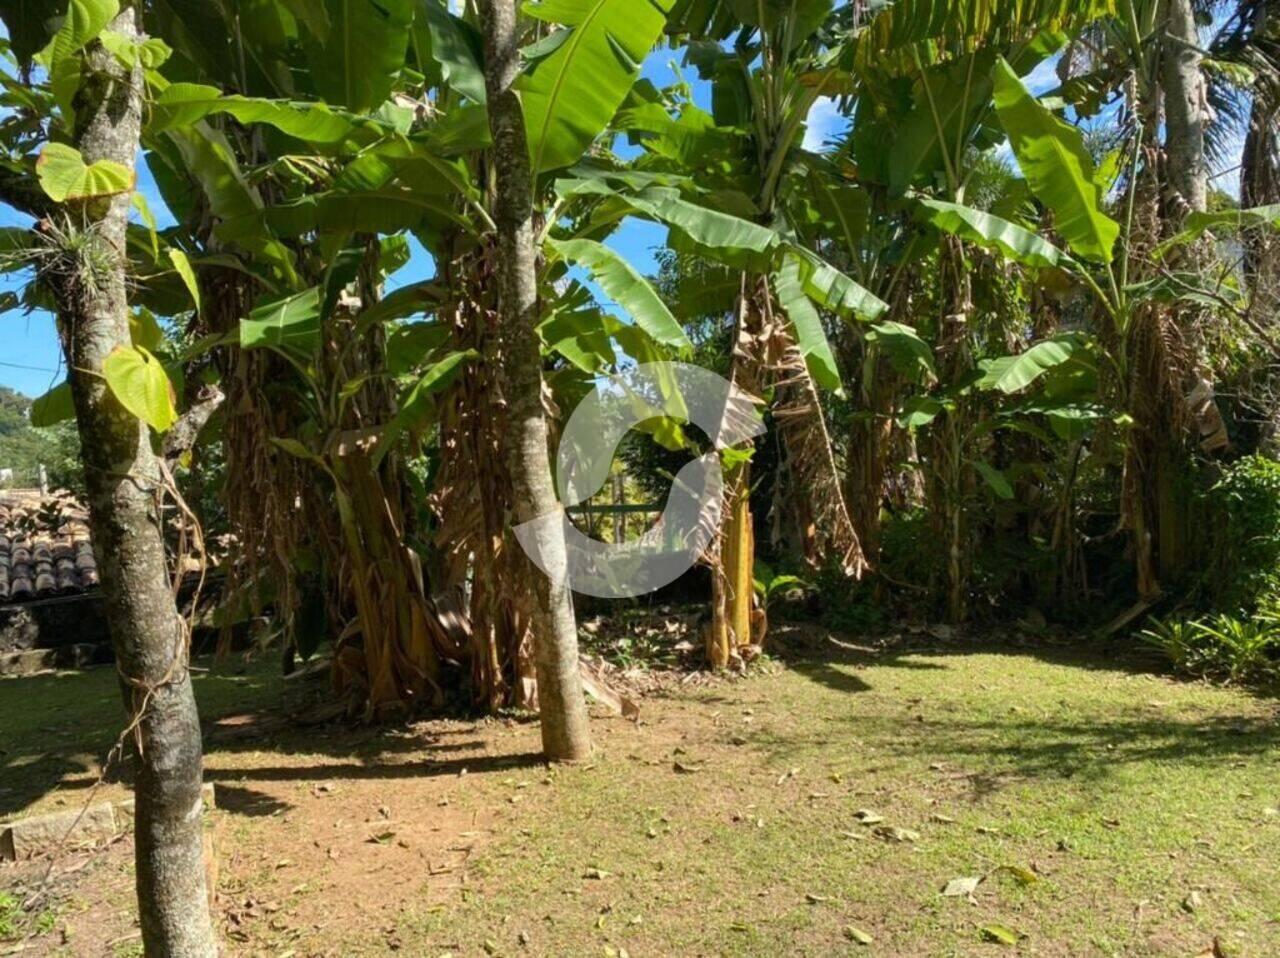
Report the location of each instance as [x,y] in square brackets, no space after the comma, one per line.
[1011,374]
[64,175]
[1057,166]
[182,104]
[182,265]
[150,53]
[992,232]
[835,291]
[572,94]
[807,325]
[628,288]
[1000,934]
[139,381]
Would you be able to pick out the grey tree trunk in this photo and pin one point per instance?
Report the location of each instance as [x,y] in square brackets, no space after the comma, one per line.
[565,733]
[1186,113]
[122,475]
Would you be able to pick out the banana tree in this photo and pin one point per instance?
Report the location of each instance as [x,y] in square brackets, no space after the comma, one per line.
[924,83]
[768,64]
[419,162]
[1062,175]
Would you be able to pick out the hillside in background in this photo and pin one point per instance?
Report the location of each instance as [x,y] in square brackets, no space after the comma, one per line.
[23,448]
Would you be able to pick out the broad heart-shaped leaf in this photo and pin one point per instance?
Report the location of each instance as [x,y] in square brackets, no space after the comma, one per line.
[64,175]
[571,95]
[182,104]
[807,324]
[83,21]
[53,407]
[138,380]
[1020,245]
[1057,167]
[629,289]
[150,53]
[291,324]
[1011,374]
[358,62]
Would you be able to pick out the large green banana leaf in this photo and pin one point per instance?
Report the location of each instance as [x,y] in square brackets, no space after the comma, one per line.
[357,64]
[571,94]
[627,288]
[182,104]
[960,23]
[454,46]
[1012,374]
[806,323]
[1020,245]
[1057,167]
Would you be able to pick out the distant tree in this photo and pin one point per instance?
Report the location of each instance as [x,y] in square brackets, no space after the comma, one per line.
[24,449]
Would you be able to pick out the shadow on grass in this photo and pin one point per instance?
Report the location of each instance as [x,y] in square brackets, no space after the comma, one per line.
[55,731]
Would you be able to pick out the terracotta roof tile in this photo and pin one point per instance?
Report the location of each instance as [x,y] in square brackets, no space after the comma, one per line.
[44,548]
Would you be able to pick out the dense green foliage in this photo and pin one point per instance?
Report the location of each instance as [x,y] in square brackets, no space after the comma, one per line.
[24,448]
[1001,333]
[1245,509]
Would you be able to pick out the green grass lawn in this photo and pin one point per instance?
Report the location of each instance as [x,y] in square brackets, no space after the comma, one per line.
[816,810]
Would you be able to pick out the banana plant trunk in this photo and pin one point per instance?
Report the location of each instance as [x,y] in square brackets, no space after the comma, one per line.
[565,733]
[730,635]
[951,478]
[125,483]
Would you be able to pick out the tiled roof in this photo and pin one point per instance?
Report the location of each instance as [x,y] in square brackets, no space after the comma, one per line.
[44,547]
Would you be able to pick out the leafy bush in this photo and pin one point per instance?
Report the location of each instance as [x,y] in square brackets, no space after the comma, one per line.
[1243,651]
[8,917]
[1246,570]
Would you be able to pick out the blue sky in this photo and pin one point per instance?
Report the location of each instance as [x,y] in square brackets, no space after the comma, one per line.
[31,359]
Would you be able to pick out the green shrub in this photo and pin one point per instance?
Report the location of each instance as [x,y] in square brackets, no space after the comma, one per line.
[1245,573]
[1244,651]
[8,917]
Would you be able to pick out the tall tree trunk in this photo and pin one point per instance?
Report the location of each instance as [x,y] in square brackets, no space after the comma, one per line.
[1186,113]
[1159,456]
[123,478]
[565,734]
